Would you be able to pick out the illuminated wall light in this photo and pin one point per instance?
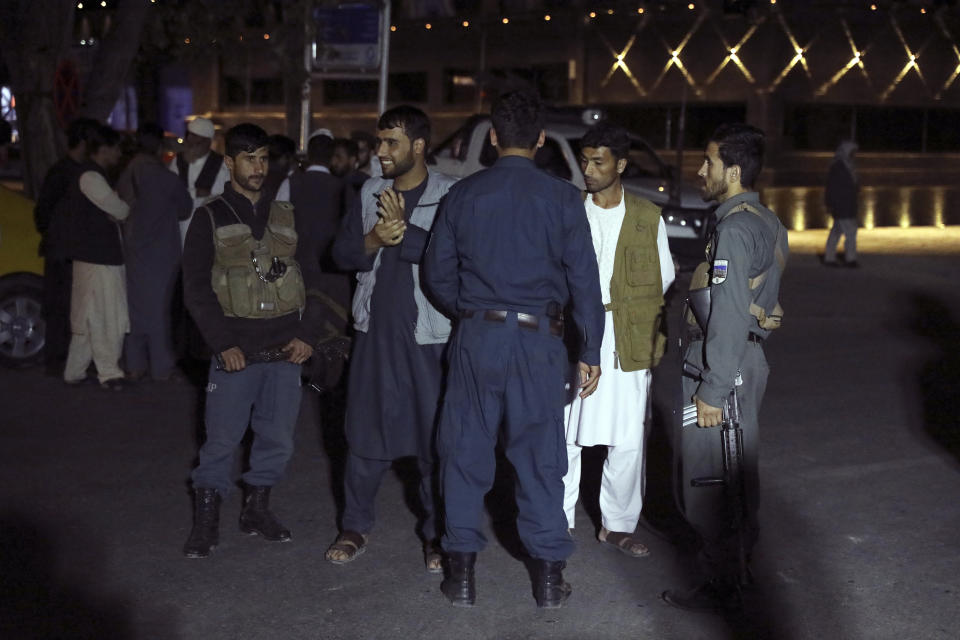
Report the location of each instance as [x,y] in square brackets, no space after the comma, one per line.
[179,140]
[873,7]
[79,5]
[83,42]
[393,27]
[547,18]
[691,6]
[609,12]
[266,36]
[465,23]
[103,3]
[505,21]
[938,206]
[187,40]
[640,10]
[869,208]
[593,14]
[923,9]
[428,26]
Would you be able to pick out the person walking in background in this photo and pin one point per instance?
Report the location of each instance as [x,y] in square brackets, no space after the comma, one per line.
[52,221]
[98,303]
[841,196]
[158,200]
[636,269]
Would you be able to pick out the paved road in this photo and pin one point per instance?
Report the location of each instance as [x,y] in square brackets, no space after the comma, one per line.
[860,467]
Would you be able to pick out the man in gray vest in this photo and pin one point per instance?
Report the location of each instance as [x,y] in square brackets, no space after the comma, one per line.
[395,375]
[745,261]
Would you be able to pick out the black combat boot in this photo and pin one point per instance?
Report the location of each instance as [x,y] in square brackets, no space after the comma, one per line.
[459,585]
[205,535]
[257,518]
[549,588]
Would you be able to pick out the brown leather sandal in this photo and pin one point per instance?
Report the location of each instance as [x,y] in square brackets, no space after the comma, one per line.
[433,556]
[349,543]
[625,543]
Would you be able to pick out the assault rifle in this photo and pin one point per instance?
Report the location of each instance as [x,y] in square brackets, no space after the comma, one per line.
[732,481]
[328,361]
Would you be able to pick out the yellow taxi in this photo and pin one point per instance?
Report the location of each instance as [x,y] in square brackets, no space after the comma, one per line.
[21,282]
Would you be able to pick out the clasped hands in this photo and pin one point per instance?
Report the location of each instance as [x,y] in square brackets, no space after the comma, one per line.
[389,230]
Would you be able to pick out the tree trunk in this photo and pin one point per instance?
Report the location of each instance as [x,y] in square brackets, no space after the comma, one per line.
[114,59]
[36,34]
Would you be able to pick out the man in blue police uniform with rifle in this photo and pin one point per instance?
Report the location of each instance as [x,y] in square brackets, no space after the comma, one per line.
[251,285]
[733,307]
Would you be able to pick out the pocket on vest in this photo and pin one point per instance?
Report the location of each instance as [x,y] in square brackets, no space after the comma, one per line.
[640,269]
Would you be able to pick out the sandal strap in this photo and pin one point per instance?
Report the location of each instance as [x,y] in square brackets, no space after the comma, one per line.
[351,538]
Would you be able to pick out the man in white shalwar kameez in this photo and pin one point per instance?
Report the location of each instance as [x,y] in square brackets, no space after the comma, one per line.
[634,261]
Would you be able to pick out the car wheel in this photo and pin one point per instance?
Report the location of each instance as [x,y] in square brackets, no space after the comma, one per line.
[22,329]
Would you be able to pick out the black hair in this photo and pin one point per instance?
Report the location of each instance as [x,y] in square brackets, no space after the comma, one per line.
[102,136]
[150,137]
[244,138]
[742,145]
[281,146]
[346,143]
[518,119]
[320,150]
[78,131]
[615,138]
[413,121]
[365,136]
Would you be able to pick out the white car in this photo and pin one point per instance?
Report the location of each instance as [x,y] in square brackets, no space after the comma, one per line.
[686,214]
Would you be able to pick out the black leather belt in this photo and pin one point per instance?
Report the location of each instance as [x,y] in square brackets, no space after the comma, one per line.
[695,336]
[524,320]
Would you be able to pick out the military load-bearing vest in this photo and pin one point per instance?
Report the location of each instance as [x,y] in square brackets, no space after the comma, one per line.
[256,278]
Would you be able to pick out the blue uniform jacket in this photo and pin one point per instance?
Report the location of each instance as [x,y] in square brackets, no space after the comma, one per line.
[513,237]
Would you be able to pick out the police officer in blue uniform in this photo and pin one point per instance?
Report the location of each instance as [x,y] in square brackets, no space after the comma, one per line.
[511,246]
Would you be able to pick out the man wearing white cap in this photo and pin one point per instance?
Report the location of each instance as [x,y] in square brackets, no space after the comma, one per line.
[201,169]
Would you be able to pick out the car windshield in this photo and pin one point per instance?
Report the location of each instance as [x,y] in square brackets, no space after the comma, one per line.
[644,163]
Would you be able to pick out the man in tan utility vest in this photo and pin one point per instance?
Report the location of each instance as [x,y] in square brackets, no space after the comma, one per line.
[249,282]
[745,261]
[636,269]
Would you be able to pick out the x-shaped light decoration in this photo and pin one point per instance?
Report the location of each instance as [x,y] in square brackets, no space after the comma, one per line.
[675,56]
[956,71]
[911,60]
[799,57]
[732,53]
[855,61]
[619,58]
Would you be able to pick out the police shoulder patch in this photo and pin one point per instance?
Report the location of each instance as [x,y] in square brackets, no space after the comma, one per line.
[719,271]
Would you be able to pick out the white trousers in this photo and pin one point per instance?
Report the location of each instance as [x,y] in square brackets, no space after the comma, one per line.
[98,321]
[621,487]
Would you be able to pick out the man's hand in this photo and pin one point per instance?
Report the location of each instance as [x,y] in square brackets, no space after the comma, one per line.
[298,351]
[384,234]
[390,205]
[708,415]
[233,359]
[589,378]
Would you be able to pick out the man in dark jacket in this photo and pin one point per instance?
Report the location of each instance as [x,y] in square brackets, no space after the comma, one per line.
[248,280]
[841,201]
[51,219]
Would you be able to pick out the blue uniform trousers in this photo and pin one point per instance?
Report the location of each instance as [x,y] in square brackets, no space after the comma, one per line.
[265,397]
[504,376]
